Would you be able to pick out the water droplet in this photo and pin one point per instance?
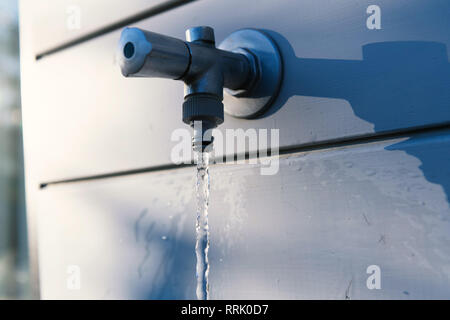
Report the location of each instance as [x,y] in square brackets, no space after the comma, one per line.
[370,172]
[349,164]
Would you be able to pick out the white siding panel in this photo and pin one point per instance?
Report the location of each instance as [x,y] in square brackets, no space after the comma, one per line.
[309,231]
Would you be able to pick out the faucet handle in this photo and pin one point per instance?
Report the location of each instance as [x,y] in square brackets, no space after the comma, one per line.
[201,33]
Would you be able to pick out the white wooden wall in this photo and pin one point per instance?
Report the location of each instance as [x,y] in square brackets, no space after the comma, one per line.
[364,177]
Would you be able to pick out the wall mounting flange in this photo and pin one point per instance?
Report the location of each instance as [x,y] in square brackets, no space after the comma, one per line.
[257,99]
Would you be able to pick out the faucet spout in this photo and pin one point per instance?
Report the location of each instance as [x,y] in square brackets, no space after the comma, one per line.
[152,55]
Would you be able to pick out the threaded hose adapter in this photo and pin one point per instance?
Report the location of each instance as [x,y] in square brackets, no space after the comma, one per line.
[202,107]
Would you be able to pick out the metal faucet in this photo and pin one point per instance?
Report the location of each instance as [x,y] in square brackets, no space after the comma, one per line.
[247,64]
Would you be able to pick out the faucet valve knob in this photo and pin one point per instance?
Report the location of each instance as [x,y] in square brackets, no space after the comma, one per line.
[201,33]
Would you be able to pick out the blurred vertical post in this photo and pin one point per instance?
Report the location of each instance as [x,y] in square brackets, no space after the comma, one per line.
[14,282]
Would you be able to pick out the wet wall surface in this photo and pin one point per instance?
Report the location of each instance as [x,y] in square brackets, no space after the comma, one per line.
[364,179]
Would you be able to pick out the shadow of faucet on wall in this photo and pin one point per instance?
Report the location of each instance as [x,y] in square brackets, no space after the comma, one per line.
[397,85]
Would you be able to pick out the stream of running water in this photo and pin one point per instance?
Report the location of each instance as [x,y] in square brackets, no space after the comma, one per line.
[202,227]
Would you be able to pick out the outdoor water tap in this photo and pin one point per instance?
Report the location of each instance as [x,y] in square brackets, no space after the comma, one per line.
[247,64]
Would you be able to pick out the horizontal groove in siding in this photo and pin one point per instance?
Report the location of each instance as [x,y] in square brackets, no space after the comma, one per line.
[283,151]
[150,12]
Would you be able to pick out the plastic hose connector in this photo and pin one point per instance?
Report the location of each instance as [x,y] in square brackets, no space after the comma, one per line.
[202,107]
